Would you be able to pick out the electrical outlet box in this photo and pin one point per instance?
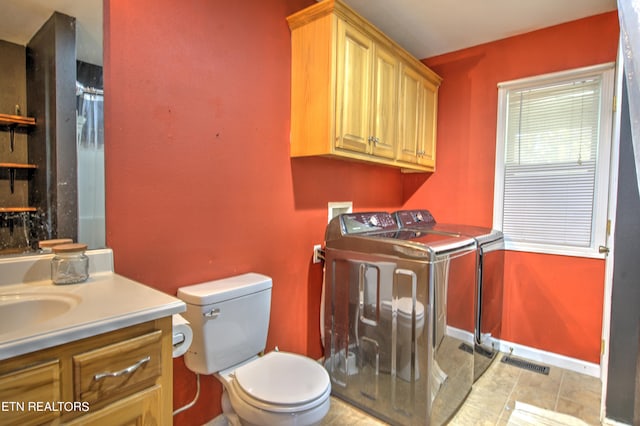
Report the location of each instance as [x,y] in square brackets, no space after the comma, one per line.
[336,208]
[317,256]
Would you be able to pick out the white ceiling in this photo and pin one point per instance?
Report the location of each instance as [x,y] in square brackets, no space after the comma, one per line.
[424,27]
[21,19]
[427,28]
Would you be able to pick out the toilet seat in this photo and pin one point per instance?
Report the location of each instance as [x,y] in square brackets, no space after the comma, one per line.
[282,382]
[404,308]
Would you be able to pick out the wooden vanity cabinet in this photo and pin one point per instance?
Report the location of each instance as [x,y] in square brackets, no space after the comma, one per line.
[117,378]
[348,94]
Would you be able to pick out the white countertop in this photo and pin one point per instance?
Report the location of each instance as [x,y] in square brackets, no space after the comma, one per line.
[103,303]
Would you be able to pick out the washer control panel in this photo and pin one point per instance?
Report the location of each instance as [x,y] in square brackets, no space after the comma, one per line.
[407,218]
[355,223]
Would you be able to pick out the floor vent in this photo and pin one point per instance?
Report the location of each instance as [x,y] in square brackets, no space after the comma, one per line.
[477,349]
[527,365]
[485,352]
[467,348]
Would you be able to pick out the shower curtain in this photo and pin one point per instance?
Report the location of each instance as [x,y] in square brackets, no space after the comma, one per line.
[629,15]
[90,152]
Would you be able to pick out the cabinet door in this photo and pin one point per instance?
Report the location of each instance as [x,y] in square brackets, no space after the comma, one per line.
[353,85]
[426,142]
[384,114]
[418,100]
[409,135]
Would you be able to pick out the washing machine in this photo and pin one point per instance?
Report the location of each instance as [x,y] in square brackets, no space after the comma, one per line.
[398,311]
[490,285]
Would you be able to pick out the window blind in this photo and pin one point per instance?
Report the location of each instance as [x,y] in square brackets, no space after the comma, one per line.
[551,150]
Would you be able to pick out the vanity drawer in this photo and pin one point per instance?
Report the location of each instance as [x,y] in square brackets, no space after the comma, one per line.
[117,370]
[23,393]
[138,409]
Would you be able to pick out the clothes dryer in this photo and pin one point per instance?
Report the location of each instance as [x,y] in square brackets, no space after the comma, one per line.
[490,285]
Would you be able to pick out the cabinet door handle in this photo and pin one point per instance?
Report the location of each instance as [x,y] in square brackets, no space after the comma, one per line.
[130,369]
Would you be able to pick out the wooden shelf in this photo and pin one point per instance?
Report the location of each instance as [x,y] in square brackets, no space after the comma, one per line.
[13,124]
[12,170]
[17,209]
[16,120]
[17,166]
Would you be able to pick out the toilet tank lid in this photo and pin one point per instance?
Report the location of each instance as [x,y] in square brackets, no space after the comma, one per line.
[224,289]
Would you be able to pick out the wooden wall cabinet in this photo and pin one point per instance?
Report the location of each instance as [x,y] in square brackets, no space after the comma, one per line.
[119,378]
[355,94]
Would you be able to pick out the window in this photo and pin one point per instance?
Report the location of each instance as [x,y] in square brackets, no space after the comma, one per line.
[552,161]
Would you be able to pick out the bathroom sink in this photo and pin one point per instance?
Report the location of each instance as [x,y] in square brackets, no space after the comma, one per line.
[19,310]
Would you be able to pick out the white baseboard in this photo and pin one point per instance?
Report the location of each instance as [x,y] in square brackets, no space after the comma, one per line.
[532,354]
[550,358]
[609,422]
[459,334]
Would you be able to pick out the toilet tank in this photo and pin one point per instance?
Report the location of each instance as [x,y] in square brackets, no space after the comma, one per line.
[230,320]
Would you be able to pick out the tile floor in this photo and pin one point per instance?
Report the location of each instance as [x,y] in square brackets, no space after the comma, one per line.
[494,395]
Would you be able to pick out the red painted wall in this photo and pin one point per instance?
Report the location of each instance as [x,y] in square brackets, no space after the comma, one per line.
[199,180]
[200,184]
[552,303]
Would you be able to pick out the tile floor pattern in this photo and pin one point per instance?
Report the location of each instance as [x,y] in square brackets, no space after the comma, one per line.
[493,398]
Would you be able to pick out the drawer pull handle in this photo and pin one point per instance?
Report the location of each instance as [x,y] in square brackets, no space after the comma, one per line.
[124,371]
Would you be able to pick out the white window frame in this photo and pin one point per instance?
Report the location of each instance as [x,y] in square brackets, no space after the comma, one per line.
[599,218]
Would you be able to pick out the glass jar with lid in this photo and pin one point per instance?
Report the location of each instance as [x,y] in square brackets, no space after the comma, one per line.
[46,246]
[69,264]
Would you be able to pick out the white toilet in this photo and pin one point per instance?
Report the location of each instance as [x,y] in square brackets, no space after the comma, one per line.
[405,344]
[230,320]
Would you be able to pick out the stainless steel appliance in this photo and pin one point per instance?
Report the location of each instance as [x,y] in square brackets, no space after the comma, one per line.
[398,318]
[490,284]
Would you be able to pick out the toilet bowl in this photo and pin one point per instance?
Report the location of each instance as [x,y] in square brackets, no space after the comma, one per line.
[279,388]
[404,340]
[230,319]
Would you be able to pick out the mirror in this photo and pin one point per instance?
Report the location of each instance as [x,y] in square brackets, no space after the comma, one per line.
[51,186]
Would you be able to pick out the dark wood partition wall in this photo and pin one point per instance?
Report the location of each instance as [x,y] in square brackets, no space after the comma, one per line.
[51,79]
[622,388]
